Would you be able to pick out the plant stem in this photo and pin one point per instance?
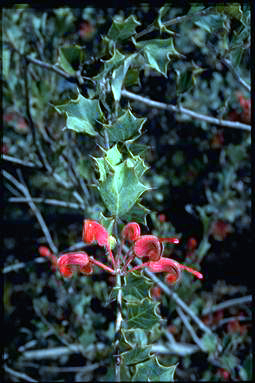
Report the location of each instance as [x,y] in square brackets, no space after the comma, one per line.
[118,328]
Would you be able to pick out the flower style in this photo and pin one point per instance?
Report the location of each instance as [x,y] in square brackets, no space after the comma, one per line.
[131,232]
[151,246]
[70,262]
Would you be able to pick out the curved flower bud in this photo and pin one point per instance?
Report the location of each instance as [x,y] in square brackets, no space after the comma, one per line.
[148,246]
[44,251]
[172,267]
[70,262]
[93,232]
[131,232]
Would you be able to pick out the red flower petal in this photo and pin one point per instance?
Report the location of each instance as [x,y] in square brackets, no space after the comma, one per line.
[148,246]
[68,262]
[131,232]
[93,232]
[44,251]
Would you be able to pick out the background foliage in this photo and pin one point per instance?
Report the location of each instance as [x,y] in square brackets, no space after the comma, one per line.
[197,177]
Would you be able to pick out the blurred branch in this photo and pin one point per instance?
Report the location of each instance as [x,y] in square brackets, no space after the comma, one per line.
[57,352]
[23,188]
[223,321]
[190,329]
[19,375]
[180,109]
[21,265]
[18,161]
[70,205]
[236,76]
[228,303]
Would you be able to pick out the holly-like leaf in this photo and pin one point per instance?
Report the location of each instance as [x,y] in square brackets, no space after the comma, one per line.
[82,114]
[107,222]
[125,127]
[162,12]
[123,29]
[118,76]
[158,52]
[134,338]
[136,288]
[153,371]
[142,316]
[137,214]
[121,189]
[187,78]
[136,355]
[69,58]
[114,62]
[113,155]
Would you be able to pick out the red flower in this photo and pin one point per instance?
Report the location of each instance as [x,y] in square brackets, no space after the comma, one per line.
[151,246]
[172,267]
[162,218]
[192,243]
[93,232]
[69,262]
[131,232]
[220,230]
[155,292]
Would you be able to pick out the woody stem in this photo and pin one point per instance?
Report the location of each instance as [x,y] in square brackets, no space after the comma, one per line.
[118,328]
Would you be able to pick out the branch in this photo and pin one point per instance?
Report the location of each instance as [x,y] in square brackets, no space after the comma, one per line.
[48,201]
[21,162]
[33,207]
[180,109]
[236,76]
[118,328]
[19,375]
[190,328]
[228,303]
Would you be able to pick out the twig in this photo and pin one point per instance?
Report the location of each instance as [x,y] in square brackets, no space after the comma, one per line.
[180,109]
[19,375]
[236,76]
[176,20]
[21,265]
[48,201]
[43,64]
[228,303]
[21,162]
[57,352]
[33,207]
[223,321]
[190,328]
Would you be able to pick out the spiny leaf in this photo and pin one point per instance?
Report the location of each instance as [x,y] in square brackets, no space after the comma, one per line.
[107,222]
[134,338]
[137,355]
[158,52]
[123,29]
[118,76]
[142,316]
[153,371]
[137,213]
[111,64]
[121,190]
[127,126]
[81,114]
[136,288]
[69,58]
[162,12]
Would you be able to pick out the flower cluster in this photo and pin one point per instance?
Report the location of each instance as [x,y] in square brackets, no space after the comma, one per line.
[149,248]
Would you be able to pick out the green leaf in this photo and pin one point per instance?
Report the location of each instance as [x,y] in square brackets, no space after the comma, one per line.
[209,342]
[142,316]
[127,126]
[162,12]
[158,53]
[135,337]
[113,155]
[82,114]
[187,78]
[232,10]
[136,288]
[132,77]
[153,371]
[114,62]
[137,213]
[107,222]
[70,58]
[210,23]
[121,190]
[123,29]
[118,76]
[137,355]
